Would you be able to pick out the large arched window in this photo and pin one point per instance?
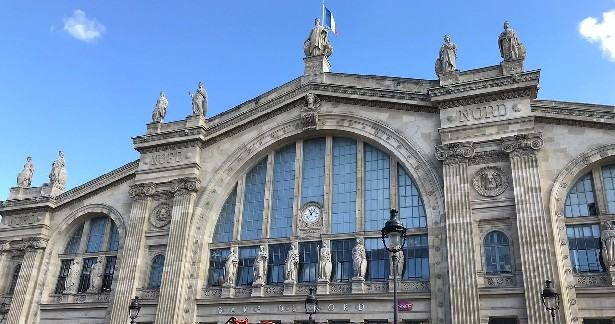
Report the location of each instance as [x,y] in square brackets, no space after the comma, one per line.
[497,253]
[353,186]
[155,272]
[95,239]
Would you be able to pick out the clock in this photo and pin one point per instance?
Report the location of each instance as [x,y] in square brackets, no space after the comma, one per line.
[311,212]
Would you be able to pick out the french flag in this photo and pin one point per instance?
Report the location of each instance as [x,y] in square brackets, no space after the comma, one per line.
[329,20]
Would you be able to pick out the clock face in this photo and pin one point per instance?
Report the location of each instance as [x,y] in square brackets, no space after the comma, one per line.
[311,214]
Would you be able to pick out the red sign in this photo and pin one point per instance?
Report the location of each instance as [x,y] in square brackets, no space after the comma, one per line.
[404,305]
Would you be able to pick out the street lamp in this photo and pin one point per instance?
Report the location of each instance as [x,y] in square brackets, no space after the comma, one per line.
[134,309]
[311,304]
[395,233]
[550,298]
[3,311]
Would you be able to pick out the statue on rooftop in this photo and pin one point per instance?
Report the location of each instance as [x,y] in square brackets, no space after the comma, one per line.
[317,42]
[511,48]
[199,100]
[447,58]
[24,178]
[160,110]
[57,176]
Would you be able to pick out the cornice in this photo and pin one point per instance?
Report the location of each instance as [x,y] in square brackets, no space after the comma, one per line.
[489,97]
[574,114]
[498,82]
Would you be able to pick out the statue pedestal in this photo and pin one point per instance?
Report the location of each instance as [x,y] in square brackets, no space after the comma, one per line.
[195,121]
[17,193]
[316,65]
[512,67]
[228,291]
[448,77]
[322,287]
[51,190]
[153,128]
[258,290]
[358,285]
[290,288]
[612,274]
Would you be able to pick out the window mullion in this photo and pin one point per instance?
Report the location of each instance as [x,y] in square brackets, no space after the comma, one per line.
[267,204]
[599,193]
[360,166]
[85,236]
[107,235]
[297,189]
[393,184]
[241,186]
[327,183]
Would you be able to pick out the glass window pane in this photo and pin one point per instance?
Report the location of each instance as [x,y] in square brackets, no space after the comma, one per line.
[283,192]
[313,178]
[341,258]
[109,272]
[278,254]
[584,244]
[155,273]
[308,261]
[344,187]
[377,260]
[245,270]
[114,240]
[97,234]
[226,219]
[84,280]
[254,202]
[74,242]
[417,258]
[64,269]
[411,209]
[376,191]
[497,253]
[217,260]
[580,200]
[608,176]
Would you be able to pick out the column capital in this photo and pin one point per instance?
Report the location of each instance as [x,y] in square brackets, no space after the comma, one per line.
[26,244]
[522,144]
[142,190]
[457,152]
[184,186]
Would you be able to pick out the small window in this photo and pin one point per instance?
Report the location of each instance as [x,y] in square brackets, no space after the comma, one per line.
[247,256]
[74,242]
[497,253]
[584,244]
[97,234]
[417,258]
[109,272]
[14,279]
[276,262]
[64,270]
[155,273]
[377,260]
[217,259]
[341,255]
[308,261]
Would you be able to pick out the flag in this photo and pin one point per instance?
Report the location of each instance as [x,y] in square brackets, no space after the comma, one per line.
[329,21]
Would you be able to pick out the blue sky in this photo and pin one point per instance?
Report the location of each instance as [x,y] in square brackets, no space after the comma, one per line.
[83,76]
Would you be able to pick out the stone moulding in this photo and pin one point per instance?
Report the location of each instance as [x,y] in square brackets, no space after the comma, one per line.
[595,280]
[503,81]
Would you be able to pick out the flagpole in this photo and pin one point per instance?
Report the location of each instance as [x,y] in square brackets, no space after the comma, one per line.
[323,13]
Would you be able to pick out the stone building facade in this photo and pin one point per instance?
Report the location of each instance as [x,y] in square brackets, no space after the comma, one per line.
[499,192]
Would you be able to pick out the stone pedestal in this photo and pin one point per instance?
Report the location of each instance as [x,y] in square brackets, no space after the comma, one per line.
[153,128]
[258,290]
[322,287]
[358,285]
[195,121]
[448,77]
[51,190]
[316,65]
[512,67]
[228,292]
[290,287]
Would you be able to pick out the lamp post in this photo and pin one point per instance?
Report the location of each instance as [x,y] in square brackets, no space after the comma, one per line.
[311,304]
[134,309]
[395,233]
[3,311]
[550,298]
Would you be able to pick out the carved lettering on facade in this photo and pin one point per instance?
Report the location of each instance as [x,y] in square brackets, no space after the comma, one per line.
[285,308]
[164,158]
[482,113]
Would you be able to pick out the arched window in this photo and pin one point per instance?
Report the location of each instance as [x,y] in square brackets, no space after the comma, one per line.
[155,273]
[14,278]
[580,201]
[497,253]
[95,237]
[352,184]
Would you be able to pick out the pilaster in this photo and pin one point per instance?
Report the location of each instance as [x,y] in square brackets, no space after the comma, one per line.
[532,225]
[463,286]
[132,252]
[173,291]
[4,267]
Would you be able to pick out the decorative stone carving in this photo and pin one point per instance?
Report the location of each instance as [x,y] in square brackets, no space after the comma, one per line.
[58,174]
[260,267]
[310,227]
[592,280]
[199,101]
[30,243]
[160,110]
[511,48]
[500,281]
[317,42]
[309,112]
[447,58]
[292,262]
[607,238]
[141,190]
[96,275]
[399,265]
[522,144]
[455,152]
[161,215]
[359,259]
[74,275]
[230,268]
[490,181]
[324,263]
[184,186]
[24,178]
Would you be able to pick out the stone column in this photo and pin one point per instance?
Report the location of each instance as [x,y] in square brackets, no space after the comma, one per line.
[463,286]
[27,280]
[4,269]
[131,253]
[532,224]
[175,276]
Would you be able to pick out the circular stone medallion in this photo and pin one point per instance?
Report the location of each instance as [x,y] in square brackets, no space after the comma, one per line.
[490,181]
[161,216]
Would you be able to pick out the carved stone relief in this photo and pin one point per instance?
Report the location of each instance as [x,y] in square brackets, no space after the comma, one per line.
[161,216]
[490,181]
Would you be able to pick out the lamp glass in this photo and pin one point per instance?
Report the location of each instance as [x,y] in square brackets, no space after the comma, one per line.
[394,240]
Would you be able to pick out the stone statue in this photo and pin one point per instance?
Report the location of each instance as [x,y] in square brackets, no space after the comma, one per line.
[511,48]
[57,176]
[447,59]
[324,263]
[230,268]
[292,262]
[399,264]
[24,178]
[309,112]
[260,267]
[96,275]
[317,42]
[160,110]
[71,285]
[359,259]
[199,101]
[607,238]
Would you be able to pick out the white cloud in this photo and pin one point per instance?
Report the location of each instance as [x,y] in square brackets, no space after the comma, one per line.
[601,32]
[82,28]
